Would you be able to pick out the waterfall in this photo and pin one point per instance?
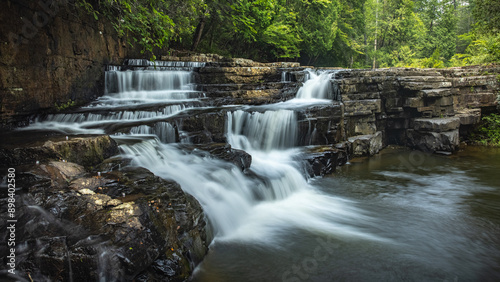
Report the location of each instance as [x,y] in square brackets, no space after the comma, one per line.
[131,97]
[316,87]
[163,130]
[259,204]
[147,85]
[264,131]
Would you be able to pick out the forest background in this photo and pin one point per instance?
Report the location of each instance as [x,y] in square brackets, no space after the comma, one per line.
[335,33]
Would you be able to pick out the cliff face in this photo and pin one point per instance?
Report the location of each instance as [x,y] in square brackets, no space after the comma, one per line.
[51,55]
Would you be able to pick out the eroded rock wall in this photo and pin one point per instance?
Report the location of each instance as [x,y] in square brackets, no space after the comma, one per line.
[422,108]
[51,55]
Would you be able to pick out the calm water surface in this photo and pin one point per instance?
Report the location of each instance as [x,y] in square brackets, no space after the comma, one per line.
[418,217]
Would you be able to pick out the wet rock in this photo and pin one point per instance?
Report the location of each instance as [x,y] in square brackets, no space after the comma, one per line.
[223,151]
[82,227]
[435,134]
[320,124]
[323,160]
[201,127]
[429,141]
[366,145]
[436,124]
[86,151]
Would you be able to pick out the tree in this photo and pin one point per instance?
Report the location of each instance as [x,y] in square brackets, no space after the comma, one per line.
[487,15]
[148,23]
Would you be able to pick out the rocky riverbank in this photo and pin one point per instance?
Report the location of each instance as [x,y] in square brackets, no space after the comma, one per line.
[86,214]
[82,217]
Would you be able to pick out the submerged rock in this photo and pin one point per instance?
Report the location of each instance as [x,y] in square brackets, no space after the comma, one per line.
[223,151]
[323,160]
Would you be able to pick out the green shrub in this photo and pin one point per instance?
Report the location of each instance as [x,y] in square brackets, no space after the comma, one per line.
[489,131]
[64,106]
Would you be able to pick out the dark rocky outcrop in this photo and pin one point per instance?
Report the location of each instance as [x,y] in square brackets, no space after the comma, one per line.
[222,151]
[88,151]
[120,224]
[323,160]
[52,54]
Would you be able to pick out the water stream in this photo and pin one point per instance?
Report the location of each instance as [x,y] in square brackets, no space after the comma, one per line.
[371,222]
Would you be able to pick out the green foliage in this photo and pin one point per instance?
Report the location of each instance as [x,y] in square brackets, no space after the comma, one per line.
[150,24]
[404,57]
[348,33]
[489,131]
[283,39]
[317,25]
[487,15]
[485,48]
[435,61]
[64,106]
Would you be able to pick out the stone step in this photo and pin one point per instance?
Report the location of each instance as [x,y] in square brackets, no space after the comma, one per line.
[474,81]
[469,116]
[239,86]
[421,85]
[479,99]
[441,92]
[436,124]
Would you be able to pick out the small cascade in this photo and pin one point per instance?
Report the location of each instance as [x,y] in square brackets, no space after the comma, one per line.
[224,192]
[135,101]
[126,82]
[163,130]
[286,77]
[262,131]
[148,63]
[256,205]
[317,87]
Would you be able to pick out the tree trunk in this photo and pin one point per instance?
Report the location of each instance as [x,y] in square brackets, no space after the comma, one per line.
[375,43]
[198,33]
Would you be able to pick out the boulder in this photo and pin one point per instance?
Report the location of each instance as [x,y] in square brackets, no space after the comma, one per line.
[366,145]
[119,226]
[323,160]
[429,141]
[222,151]
[436,124]
[86,151]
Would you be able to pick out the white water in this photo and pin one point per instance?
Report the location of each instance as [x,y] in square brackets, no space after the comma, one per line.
[263,131]
[159,95]
[258,209]
[239,207]
[317,87]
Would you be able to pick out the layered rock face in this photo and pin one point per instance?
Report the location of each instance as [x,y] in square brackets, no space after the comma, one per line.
[51,57]
[423,108]
[427,109]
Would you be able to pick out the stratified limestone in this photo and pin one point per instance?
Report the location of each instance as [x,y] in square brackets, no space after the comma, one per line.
[86,151]
[366,145]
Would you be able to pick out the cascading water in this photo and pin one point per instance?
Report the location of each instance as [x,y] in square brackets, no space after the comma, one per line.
[254,206]
[271,223]
[262,131]
[131,97]
[316,87]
